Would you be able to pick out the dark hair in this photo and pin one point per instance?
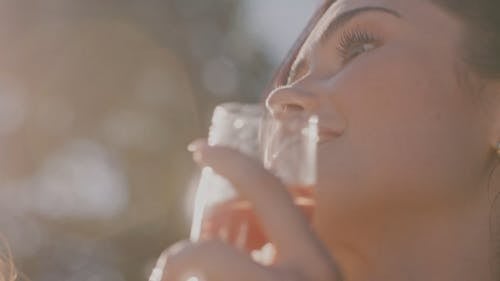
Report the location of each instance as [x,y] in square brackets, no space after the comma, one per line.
[481,39]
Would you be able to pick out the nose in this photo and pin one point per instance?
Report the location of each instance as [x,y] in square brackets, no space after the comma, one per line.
[294,99]
[291,98]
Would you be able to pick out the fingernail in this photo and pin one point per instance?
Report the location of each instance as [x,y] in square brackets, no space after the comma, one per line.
[192,147]
[195,145]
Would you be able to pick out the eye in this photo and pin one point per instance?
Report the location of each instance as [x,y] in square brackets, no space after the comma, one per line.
[354,43]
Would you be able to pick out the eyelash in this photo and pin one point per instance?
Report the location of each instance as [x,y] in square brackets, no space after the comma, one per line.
[350,39]
[347,40]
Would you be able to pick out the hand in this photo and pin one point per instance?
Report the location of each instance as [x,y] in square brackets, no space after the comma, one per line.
[302,255]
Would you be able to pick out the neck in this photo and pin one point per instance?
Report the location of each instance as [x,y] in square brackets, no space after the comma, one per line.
[446,245]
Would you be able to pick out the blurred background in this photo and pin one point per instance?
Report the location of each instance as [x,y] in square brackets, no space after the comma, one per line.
[98,100]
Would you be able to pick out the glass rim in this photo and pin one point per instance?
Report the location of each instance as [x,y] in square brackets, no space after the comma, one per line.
[293,118]
[237,108]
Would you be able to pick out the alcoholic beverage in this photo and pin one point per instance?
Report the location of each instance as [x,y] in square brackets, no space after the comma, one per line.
[235,222]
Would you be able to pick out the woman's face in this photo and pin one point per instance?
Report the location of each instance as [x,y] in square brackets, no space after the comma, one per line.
[403,134]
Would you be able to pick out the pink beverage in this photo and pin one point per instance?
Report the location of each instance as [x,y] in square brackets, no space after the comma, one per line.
[235,222]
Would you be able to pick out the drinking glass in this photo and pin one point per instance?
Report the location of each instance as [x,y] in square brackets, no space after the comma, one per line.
[286,145]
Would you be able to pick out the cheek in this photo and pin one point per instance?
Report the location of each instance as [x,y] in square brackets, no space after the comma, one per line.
[413,138]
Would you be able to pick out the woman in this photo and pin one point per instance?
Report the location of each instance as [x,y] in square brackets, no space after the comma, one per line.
[409,99]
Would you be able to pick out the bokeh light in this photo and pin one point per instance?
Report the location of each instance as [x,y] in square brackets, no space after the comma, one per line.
[98,100]
[81,181]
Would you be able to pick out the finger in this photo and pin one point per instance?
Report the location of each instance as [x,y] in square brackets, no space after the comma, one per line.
[285,225]
[214,261]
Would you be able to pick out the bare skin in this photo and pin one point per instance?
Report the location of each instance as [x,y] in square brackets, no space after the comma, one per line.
[408,139]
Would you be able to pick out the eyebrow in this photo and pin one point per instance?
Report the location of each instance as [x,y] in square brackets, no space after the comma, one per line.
[336,24]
